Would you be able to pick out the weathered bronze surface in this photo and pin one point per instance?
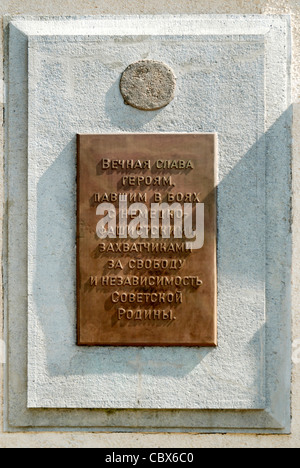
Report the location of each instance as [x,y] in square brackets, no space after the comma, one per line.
[155,290]
[148,85]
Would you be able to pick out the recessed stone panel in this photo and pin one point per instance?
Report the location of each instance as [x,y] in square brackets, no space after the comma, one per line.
[59,108]
[232,76]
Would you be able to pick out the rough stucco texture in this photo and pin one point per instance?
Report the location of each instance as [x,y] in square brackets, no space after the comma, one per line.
[180,6]
[108,380]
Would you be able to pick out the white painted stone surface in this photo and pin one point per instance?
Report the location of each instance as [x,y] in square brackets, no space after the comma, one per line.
[59,374]
[208,72]
[2,352]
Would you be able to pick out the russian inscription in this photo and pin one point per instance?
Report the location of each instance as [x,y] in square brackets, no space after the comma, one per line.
[146,240]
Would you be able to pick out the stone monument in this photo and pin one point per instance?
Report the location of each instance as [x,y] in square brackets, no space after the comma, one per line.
[118,129]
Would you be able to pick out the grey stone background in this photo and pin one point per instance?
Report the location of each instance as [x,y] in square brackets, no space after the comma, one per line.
[220,89]
[215,440]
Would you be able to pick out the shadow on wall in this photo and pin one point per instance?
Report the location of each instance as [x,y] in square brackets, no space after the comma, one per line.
[124,116]
[245,241]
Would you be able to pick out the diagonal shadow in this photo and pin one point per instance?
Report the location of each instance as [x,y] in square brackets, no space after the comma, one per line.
[253,258]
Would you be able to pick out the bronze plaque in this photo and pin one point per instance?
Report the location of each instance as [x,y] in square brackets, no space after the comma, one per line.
[146,240]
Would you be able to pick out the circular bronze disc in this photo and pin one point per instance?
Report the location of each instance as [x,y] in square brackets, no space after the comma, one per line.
[148,85]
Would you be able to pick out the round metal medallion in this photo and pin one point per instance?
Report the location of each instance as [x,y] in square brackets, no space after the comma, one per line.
[148,85]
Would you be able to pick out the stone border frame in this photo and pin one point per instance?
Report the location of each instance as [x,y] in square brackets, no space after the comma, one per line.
[276,418]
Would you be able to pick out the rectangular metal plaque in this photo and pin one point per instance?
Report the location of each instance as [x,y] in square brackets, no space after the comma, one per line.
[146,240]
